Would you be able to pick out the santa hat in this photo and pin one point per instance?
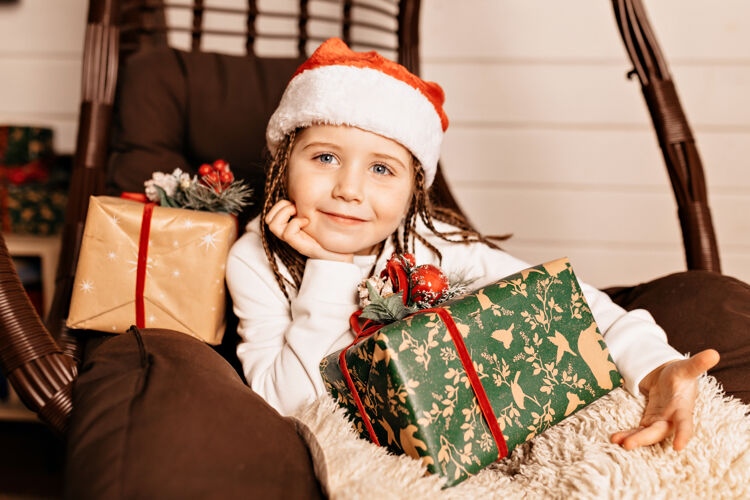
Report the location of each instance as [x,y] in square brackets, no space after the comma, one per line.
[338,86]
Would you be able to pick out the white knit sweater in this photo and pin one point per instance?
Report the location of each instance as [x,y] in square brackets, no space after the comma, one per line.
[282,346]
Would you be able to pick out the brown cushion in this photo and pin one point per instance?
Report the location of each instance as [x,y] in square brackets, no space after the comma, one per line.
[181,109]
[169,418]
[701,310]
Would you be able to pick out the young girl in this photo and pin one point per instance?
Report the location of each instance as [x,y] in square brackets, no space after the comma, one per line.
[355,143]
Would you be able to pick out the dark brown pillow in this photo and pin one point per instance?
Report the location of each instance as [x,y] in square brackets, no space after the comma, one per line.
[163,416]
[701,310]
[181,109]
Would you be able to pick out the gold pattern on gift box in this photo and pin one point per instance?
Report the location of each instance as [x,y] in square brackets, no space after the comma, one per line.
[533,344]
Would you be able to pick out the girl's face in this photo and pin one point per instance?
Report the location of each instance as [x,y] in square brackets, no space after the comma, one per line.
[354,186]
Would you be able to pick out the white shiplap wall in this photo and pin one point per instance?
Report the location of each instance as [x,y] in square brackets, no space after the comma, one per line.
[550,142]
[547,138]
[41,43]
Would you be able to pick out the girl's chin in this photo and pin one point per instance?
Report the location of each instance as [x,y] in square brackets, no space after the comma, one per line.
[355,248]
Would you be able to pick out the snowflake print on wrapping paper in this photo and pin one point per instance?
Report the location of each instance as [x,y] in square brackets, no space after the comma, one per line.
[189,223]
[86,286]
[111,255]
[210,240]
[134,264]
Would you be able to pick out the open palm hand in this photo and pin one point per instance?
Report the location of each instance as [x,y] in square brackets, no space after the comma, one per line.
[670,390]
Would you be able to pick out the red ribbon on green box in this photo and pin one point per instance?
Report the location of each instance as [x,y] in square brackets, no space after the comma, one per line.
[463,354]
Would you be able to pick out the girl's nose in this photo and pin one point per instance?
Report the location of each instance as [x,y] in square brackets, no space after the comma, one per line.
[349,184]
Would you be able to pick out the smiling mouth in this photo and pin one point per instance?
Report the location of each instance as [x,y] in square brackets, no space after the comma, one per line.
[343,219]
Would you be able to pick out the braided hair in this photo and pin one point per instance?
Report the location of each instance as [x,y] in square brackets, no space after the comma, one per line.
[420,207]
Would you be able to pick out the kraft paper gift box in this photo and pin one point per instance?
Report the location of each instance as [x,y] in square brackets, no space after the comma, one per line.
[182,269]
[529,340]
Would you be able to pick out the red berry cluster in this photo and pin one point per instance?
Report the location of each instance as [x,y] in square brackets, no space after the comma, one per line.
[217,176]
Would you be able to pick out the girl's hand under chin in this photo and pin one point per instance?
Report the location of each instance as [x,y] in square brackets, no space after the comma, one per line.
[283,222]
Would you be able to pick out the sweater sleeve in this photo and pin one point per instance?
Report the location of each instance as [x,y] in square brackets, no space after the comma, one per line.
[281,346]
[637,344]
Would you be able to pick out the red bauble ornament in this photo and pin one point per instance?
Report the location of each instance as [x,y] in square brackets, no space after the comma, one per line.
[409,258]
[427,283]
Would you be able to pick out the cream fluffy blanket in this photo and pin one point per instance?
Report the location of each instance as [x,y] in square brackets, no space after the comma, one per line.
[573,459]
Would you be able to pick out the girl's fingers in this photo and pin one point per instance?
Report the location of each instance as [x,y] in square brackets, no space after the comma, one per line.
[298,239]
[293,228]
[670,406]
[280,220]
[683,420]
[275,209]
[619,437]
[701,362]
[644,436]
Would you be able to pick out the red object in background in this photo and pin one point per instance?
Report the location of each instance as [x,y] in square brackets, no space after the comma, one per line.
[221,166]
[205,170]
[217,176]
[36,171]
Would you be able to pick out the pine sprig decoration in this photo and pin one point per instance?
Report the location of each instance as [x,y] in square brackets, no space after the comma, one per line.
[231,199]
[214,190]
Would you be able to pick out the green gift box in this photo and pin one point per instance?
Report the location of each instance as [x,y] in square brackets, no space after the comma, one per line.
[37,209]
[529,341]
[20,145]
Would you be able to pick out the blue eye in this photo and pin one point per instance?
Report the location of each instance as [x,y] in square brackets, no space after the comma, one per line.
[326,158]
[381,169]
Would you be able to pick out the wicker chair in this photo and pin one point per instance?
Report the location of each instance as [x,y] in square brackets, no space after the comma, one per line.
[41,362]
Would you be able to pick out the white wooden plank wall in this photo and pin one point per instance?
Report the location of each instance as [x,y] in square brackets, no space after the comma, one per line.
[41,43]
[548,140]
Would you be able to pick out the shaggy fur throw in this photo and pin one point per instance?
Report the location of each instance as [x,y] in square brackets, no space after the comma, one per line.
[573,459]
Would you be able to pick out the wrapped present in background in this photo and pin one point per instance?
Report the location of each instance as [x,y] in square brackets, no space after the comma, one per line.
[33,182]
[37,208]
[20,145]
[461,385]
[162,271]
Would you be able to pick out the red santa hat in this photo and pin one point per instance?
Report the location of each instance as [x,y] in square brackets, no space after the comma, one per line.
[338,86]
